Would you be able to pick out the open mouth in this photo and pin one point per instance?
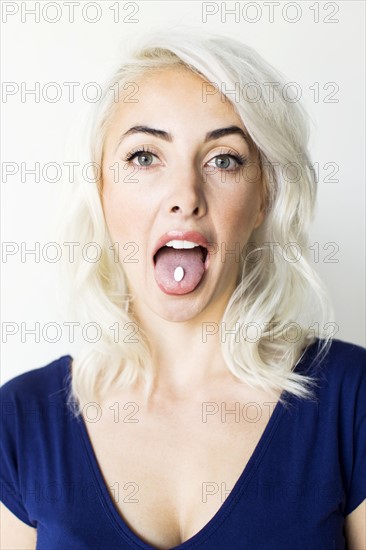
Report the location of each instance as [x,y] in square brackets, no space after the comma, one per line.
[203,249]
[178,270]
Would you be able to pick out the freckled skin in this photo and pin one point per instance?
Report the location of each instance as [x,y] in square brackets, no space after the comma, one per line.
[177,192]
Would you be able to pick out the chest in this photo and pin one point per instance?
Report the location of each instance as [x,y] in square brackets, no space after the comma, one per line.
[168,471]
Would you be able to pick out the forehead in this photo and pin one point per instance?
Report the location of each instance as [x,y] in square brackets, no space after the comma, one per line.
[173,94]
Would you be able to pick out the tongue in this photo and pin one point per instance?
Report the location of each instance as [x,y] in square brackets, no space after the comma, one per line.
[168,259]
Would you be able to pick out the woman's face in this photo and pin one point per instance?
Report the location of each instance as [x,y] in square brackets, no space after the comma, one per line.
[187,177]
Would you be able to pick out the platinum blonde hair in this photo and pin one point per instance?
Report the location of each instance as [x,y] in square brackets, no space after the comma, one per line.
[276,292]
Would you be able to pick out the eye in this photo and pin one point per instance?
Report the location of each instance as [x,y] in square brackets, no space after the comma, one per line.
[227,161]
[223,161]
[144,157]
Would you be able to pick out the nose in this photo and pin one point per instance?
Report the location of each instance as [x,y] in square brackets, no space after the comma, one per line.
[187,197]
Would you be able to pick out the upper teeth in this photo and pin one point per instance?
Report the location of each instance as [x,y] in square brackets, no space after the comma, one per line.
[182,244]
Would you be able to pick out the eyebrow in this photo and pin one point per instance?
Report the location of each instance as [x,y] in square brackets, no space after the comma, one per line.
[210,136]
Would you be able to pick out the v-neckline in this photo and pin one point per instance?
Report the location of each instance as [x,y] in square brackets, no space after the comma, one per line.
[206,531]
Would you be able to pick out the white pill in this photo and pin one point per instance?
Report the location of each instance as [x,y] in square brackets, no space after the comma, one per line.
[178,273]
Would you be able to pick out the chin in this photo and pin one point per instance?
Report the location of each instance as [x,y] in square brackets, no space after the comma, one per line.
[177,314]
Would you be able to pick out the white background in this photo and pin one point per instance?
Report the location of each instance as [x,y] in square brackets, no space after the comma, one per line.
[306,51]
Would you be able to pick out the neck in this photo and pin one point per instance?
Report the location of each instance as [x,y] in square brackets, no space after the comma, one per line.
[186,354]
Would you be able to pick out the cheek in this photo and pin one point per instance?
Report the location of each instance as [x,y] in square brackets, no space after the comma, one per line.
[116,215]
[118,206]
[240,212]
[121,226]
[124,200]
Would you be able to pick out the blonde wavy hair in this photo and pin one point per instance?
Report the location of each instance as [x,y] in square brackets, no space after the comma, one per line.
[279,291]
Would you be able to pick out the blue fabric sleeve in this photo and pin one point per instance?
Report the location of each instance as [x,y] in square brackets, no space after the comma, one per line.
[10,457]
[356,493]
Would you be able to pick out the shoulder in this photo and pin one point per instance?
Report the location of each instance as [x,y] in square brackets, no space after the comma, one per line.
[340,383]
[337,370]
[348,351]
[32,425]
[38,383]
[338,360]
[34,402]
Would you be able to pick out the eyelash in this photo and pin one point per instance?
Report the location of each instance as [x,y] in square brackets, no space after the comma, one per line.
[239,159]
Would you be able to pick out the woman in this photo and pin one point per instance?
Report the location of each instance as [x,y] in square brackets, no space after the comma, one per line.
[207,412]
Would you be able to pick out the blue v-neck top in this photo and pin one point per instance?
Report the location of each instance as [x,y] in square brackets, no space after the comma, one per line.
[307,472]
